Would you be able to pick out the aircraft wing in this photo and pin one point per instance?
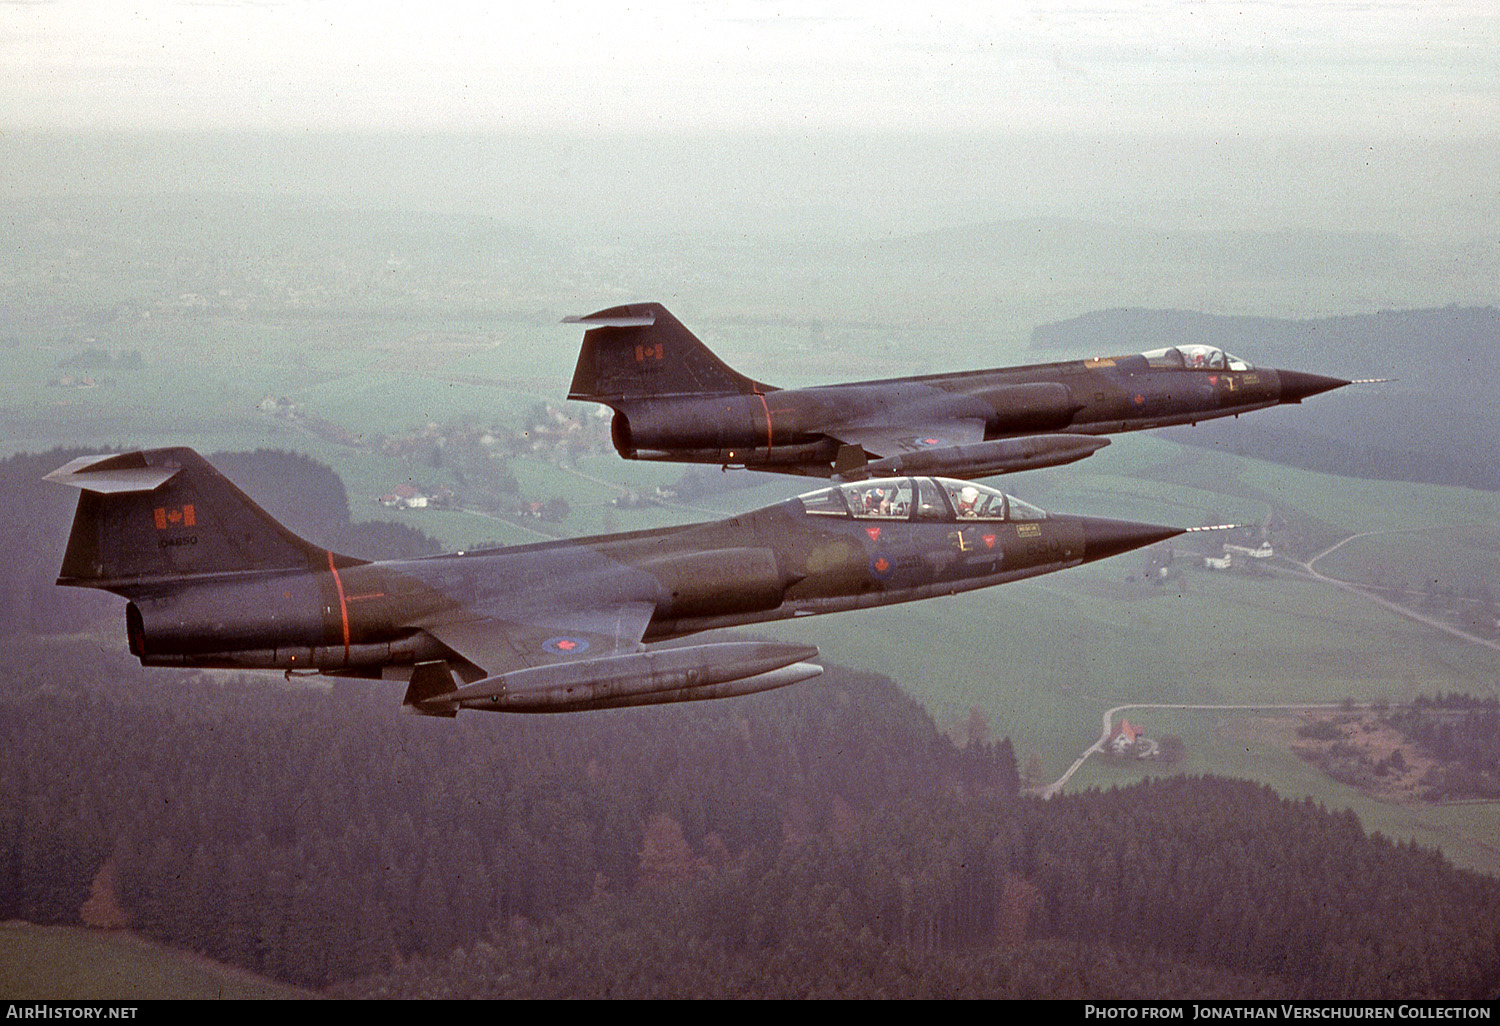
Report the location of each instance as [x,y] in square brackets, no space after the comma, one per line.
[886,440]
[521,639]
[954,448]
[571,660]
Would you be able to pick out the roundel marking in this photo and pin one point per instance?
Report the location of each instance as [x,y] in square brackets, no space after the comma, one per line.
[566,645]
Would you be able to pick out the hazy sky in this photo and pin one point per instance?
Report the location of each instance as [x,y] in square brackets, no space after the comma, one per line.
[1419,68]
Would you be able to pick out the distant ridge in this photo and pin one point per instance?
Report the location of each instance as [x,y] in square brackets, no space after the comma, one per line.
[1437,423]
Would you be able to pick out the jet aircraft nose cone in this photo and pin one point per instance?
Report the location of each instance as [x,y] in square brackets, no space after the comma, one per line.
[1297,386]
[1103,538]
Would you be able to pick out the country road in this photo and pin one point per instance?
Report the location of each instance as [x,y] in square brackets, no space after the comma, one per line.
[1308,569]
[1108,728]
[1302,569]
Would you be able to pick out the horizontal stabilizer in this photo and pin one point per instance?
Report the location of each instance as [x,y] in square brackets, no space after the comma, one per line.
[608,320]
[108,475]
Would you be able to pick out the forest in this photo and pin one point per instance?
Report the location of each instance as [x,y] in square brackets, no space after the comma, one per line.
[827,839]
[1464,733]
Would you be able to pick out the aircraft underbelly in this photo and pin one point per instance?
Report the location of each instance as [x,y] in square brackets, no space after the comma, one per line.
[1110,427]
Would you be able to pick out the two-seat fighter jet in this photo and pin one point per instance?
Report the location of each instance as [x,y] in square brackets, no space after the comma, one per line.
[213,581]
[675,400]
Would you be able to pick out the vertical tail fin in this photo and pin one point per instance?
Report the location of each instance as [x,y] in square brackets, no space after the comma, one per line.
[641,350]
[158,514]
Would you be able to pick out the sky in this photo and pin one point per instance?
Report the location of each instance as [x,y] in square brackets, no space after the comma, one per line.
[1381,67]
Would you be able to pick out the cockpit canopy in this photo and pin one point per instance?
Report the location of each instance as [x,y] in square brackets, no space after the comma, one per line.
[1195,357]
[917,498]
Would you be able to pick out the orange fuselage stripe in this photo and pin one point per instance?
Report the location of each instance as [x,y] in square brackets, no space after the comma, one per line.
[338,583]
[767,408]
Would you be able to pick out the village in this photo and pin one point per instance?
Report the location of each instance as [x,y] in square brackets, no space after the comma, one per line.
[469,459]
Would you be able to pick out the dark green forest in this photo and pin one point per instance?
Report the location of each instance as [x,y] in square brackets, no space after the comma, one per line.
[1464,733]
[822,840]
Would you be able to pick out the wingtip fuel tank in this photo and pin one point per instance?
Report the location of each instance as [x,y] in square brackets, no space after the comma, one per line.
[643,678]
[981,459]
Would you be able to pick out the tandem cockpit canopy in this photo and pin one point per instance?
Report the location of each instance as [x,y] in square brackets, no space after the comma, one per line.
[1195,357]
[917,498]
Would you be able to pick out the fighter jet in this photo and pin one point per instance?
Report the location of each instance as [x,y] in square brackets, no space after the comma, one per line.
[212,580]
[674,400]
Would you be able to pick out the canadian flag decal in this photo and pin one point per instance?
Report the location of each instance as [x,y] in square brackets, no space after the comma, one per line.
[175,516]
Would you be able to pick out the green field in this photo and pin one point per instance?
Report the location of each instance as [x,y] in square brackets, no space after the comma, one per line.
[68,963]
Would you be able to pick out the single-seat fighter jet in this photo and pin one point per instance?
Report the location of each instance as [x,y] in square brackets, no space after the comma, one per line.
[675,400]
[214,581]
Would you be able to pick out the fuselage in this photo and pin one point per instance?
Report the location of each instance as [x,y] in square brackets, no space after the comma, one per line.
[837,549]
[785,428]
